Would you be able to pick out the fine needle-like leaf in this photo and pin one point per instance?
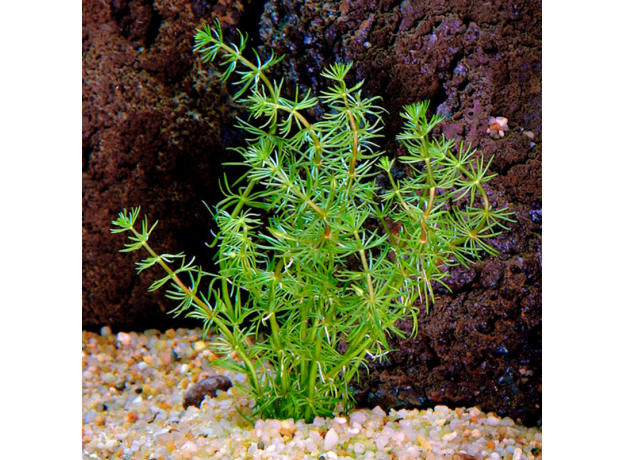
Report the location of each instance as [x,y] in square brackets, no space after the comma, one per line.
[322,243]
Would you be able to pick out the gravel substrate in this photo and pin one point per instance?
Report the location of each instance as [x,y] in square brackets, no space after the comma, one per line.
[133,388]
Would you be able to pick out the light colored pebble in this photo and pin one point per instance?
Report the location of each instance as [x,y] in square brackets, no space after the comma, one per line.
[123,339]
[189,449]
[309,445]
[153,424]
[318,421]
[398,437]
[507,422]
[423,442]
[89,417]
[358,417]
[381,442]
[331,439]
[378,412]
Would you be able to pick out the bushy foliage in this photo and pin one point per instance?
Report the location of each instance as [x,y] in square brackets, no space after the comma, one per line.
[314,255]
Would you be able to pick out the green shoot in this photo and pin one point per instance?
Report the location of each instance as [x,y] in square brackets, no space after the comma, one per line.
[314,256]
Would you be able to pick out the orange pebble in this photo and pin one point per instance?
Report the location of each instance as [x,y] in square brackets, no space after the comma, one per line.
[131,417]
[171,446]
[99,420]
[490,444]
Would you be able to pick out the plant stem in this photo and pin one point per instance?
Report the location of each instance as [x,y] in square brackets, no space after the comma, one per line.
[197,301]
[313,370]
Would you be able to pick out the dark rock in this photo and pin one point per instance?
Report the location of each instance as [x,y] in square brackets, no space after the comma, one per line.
[206,387]
[154,128]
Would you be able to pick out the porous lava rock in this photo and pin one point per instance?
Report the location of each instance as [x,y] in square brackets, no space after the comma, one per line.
[153,136]
[156,124]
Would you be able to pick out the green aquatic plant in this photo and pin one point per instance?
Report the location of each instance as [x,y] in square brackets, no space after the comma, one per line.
[318,258]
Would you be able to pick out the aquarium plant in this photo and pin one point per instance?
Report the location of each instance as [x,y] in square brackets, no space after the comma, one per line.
[321,244]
